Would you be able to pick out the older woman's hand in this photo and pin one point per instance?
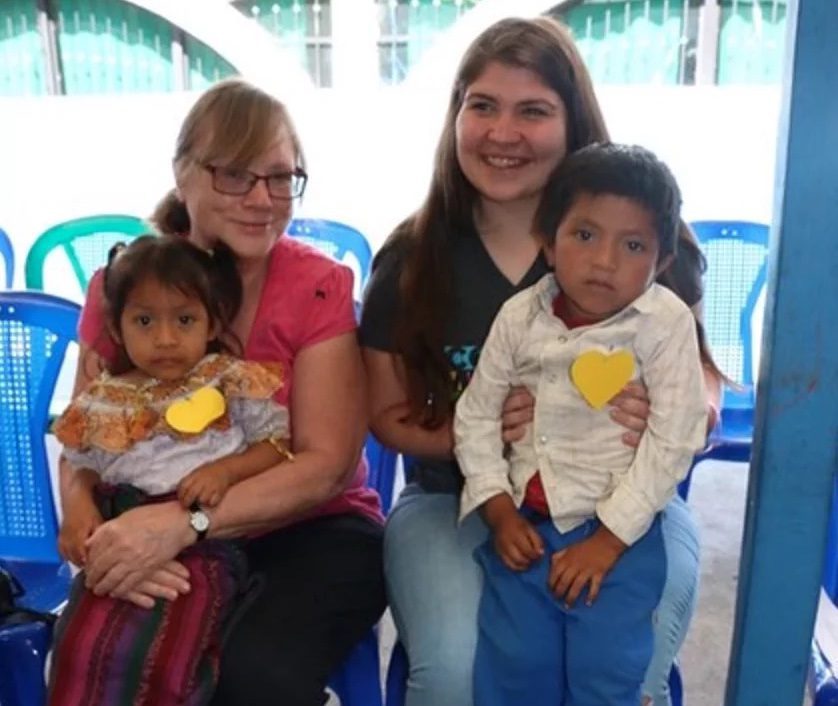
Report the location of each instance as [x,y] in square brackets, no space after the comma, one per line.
[631,410]
[131,556]
[169,581]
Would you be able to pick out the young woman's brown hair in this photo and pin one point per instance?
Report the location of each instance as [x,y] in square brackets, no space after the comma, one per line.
[546,48]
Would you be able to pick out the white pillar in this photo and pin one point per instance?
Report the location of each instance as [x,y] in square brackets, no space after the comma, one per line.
[354,44]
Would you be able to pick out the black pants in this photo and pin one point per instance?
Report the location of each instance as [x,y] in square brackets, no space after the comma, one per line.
[321,588]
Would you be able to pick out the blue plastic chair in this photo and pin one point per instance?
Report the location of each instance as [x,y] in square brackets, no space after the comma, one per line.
[381,466]
[736,253]
[8,254]
[336,240]
[35,330]
[358,681]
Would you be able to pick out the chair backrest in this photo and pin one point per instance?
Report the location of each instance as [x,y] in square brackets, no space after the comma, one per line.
[85,241]
[736,262]
[35,330]
[381,470]
[334,239]
[8,254]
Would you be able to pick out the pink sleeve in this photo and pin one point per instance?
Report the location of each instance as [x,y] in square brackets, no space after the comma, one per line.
[331,311]
[92,329]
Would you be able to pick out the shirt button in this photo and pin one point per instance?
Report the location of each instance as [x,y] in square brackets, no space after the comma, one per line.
[562,339]
[542,439]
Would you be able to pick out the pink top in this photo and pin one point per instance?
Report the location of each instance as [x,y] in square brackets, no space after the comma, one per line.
[307,298]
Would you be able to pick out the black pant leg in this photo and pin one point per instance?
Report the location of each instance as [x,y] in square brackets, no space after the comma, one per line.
[322,589]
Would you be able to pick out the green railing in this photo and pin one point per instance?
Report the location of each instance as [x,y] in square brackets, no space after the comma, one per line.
[112,46]
[752,41]
[633,41]
[23,68]
[408,27]
[304,27]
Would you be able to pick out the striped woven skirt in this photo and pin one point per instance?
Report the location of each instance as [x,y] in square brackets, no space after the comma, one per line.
[109,652]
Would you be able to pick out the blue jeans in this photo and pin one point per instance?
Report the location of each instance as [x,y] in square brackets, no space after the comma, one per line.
[434,587]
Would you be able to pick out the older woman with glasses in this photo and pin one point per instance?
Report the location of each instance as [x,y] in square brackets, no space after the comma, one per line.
[312,529]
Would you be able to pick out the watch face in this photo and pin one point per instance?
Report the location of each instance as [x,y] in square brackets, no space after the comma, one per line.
[199,521]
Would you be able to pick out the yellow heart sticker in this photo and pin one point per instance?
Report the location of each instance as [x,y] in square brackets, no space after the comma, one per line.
[194,413]
[599,376]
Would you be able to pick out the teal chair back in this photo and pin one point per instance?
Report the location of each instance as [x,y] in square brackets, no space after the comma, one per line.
[85,242]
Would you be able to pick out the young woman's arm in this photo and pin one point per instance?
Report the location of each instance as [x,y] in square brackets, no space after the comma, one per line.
[389,419]
[328,413]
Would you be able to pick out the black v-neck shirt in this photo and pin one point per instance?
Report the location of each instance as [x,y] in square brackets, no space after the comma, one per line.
[479,289]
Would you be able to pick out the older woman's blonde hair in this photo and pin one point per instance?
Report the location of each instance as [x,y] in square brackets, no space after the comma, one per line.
[233,121]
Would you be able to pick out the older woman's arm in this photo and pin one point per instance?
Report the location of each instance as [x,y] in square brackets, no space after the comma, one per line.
[328,413]
[329,424]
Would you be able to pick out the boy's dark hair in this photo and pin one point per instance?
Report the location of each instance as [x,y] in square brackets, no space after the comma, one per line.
[621,170]
[209,276]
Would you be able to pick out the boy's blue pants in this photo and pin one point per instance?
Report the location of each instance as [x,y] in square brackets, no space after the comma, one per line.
[533,650]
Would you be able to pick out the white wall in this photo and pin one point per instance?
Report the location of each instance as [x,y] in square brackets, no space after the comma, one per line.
[369,155]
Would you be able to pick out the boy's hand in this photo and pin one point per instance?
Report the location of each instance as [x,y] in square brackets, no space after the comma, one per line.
[516,541]
[206,485]
[586,562]
[81,518]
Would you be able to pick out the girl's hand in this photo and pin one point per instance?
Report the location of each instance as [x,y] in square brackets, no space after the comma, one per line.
[517,413]
[584,564]
[631,410]
[206,485]
[81,519]
[127,551]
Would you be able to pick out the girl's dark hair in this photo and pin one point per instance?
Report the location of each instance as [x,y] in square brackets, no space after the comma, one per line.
[545,47]
[210,277]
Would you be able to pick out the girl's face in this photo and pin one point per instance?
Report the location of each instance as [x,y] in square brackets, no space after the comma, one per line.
[250,223]
[510,133]
[164,331]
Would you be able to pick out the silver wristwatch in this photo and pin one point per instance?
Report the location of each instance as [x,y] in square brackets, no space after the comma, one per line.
[199,520]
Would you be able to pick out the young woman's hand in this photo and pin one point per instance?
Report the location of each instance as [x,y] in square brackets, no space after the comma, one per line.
[205,485]
[631,410]
[517,413]
[584,564]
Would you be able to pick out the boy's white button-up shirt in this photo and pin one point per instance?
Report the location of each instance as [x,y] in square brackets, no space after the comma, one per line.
[586,469]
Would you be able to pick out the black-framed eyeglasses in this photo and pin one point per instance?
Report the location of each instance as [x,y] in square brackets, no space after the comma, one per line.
[234,181]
